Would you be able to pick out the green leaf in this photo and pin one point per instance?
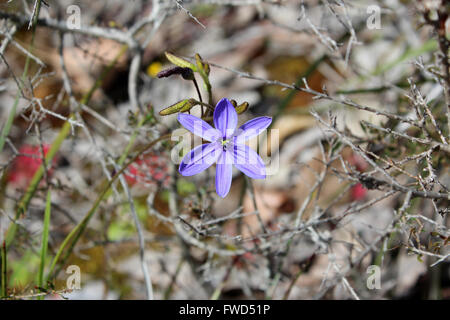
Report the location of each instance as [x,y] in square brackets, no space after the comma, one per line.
[180,61]
[181,106]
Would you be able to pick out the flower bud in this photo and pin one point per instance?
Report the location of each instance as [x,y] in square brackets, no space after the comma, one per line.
[186,73]
[180,62]
[242,108]
[181,106]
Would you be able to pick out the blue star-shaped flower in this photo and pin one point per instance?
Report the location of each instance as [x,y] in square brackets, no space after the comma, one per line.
[227,146]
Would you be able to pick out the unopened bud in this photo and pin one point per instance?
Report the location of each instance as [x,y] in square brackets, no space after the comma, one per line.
[180,62]
[186,73]
[181,106]
[242,108]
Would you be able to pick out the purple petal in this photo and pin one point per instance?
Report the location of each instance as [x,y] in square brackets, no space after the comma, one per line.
[225,118]
[199,127]
[200,158]
[224,174]
[248,161]
[252,128]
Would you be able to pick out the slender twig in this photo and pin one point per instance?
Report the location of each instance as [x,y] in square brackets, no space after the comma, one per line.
[144,266]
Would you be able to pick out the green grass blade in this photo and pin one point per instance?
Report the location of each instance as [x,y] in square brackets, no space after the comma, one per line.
[409,54]
[4,289]
[8,124]
[44,243]
[23,205]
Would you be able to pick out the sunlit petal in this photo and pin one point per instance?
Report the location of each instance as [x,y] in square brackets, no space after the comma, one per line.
[224,170]
[199,127]
[252,128]
[225,118]
[248,161]
[200,158]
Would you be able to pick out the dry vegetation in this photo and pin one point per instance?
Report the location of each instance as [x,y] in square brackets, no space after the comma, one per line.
[360,133]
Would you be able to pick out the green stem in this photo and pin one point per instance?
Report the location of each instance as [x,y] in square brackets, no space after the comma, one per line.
[124,155]
[207,84]
[36,16]
[291,285]
[169,289]
[9,122]
[4,289]
[44,243]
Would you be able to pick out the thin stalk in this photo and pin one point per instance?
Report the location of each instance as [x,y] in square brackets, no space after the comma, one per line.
[133,137]
[4,289]
[169,289]
[9,122]
[44,242]
[199,94]
[291,285]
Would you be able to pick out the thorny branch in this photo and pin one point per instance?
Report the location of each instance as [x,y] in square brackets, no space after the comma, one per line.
[414,181]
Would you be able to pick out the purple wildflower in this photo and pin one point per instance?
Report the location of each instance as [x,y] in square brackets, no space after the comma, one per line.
[227,146]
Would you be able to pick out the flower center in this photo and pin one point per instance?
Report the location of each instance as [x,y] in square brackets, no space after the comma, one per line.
[225,143]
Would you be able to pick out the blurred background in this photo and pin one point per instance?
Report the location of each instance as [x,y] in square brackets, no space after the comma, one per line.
[356,207]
